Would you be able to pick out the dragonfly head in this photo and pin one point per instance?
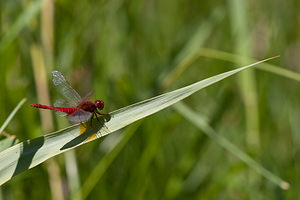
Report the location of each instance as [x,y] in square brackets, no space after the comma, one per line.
[99,104]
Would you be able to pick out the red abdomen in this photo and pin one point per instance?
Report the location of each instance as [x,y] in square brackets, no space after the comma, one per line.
[65,110]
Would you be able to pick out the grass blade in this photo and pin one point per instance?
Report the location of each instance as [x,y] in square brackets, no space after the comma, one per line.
[188,54]
[32,152]
[31,11]
[198,121]
[102,166]
[12,114]
[221,55]
[8,142]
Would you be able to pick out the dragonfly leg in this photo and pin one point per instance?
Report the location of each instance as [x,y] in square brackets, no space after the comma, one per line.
[106,115]
[91,120]
[100,113]
[101,122]
[92,117]
[97,118]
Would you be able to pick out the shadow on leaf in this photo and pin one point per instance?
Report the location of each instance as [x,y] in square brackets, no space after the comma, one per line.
[29,149]
[88,132]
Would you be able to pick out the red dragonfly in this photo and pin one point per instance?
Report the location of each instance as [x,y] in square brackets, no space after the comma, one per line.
[75,108]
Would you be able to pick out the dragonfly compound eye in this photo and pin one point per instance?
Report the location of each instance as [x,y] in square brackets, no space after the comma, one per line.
[99,104]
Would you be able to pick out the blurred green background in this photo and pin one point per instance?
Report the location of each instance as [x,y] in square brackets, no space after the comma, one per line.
[128,51]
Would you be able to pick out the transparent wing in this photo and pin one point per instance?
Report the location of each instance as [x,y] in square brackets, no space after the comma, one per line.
[62,103]
[65,89]
[79,116]
[88,95]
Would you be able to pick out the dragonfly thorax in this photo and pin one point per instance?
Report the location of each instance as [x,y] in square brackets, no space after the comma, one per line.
[87,106]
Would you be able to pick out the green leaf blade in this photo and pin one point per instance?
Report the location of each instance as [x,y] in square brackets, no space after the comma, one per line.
[30,153]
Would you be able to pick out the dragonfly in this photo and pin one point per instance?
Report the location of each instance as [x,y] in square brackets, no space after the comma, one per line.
[73,107]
